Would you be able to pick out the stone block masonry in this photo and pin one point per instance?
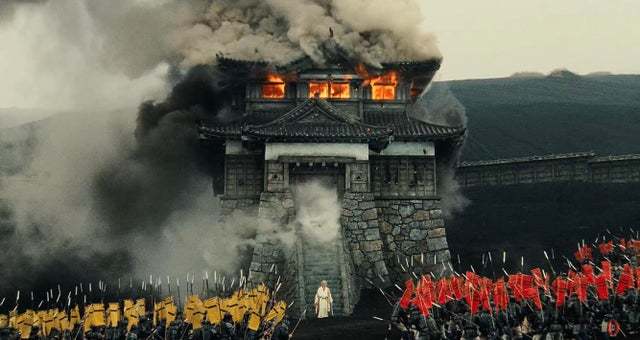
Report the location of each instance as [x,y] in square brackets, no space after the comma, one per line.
[412,229]
[361,228]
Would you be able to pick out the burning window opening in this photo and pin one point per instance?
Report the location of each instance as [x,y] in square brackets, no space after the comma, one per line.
[384,87]
[273,87]
[325,89]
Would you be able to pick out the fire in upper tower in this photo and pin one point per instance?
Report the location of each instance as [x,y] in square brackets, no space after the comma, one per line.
[339,79]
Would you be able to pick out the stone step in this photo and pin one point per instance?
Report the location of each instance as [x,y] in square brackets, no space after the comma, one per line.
[321,262]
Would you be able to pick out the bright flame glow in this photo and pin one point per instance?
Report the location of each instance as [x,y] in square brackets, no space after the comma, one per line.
[340,90]
[324,89]
[384,87]
[273,88]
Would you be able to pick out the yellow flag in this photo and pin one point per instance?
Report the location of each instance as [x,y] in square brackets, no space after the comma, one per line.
[63,321]
[47,321]
[141,307]
[131,313]
[254,321]
[197,311]
[97,315]
[114,314]
[171,311]
[166,302]
[55,320]
[212,305]
[158,309]
[276,314]
[87,318]
[75,317]
[233,307]
[4,321]
[24,323]
[190,307]
[39,319]
[13,319]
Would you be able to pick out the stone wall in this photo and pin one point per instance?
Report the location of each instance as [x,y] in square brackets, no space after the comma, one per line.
[361,230]
[246,205]
[412,229]
[574,167]
[276,208]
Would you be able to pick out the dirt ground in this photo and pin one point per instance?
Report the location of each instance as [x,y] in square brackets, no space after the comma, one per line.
[360,325]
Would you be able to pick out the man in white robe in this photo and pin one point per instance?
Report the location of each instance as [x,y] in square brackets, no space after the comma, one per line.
[323,300]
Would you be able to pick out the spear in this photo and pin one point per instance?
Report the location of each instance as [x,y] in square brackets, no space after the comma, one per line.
[549,261]
[298,323]
[178,289]
[206,276]
[169,284]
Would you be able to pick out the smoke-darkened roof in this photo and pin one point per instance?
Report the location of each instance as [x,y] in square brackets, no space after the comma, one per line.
[316,120]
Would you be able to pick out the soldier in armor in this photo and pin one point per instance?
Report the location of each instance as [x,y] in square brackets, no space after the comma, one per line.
[470,329]
[227,328]
[8,333]
[281,332]
[132,334]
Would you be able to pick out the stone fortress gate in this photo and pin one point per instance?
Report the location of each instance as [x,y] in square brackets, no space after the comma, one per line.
[348,126]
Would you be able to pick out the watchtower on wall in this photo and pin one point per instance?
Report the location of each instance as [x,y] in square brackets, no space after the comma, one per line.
[351,126]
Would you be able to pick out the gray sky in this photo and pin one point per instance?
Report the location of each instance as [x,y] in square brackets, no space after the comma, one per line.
[495,38]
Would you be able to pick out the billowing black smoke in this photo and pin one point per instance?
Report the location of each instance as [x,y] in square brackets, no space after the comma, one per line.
[131,196]
[104,196]
[156,178]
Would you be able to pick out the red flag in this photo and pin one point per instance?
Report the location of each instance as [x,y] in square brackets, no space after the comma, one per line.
[634,244]
[571,282]
[601,287]
[560,288]
[533,295]
[584,253]
[485,295]
[581,287]
[515,284]
[622,244]
[424,295]
[500,297]
[456,284]
[444,291]
[626,280]
[587,271]
[606,269]
[406,296]
[606,248]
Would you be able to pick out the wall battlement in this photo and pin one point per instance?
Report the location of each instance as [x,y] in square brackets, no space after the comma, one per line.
[571,167]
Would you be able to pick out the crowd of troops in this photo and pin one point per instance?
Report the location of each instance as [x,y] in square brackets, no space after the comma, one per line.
[244,314]
[597,297]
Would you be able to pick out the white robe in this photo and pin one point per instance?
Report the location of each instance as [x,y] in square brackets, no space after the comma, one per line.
[323,301]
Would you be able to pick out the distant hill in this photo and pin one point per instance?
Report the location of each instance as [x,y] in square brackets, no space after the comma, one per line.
[561,112]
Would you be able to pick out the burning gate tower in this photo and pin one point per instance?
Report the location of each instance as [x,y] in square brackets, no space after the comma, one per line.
[352,127]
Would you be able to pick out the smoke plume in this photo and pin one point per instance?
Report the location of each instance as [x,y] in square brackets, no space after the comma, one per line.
[438,105]
[281,31]
[111,191]
[318,211]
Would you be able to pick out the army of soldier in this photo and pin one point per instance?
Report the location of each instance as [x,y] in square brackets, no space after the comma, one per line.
[593,302]
[247,313]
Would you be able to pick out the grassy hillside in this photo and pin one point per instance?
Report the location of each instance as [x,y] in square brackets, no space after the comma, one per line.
[520,116]
[525,220]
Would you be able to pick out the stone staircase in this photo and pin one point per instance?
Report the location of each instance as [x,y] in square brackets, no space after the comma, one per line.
[322,262]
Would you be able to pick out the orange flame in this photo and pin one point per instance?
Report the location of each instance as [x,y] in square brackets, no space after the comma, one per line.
[273,87]
[324,89]
[383,87]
